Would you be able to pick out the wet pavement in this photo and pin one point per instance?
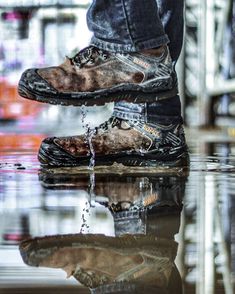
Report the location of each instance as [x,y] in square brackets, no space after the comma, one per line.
[163,230]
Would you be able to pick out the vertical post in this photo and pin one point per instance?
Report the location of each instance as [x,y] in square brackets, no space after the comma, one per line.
[210,44]
[209,234]
[206,32]
[200,284]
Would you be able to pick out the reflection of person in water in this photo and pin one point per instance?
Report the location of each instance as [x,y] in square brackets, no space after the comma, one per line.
[140,258]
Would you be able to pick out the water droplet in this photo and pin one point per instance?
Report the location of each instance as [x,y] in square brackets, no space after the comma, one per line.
[85,226]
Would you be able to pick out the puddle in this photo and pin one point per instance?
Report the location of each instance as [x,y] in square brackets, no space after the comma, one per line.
[179,221]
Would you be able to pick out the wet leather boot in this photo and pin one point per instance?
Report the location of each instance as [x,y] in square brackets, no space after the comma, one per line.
[96,77]
[118,141]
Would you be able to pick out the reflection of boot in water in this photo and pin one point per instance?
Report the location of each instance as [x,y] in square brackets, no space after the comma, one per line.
[96,260]
[156,213]
[123,187]
[140,261]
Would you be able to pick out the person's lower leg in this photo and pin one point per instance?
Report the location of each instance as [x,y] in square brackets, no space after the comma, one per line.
[171,16]
[126,25]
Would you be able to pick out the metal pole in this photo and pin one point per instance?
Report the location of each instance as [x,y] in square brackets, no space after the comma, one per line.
[203,96]
[209,234]
[200,283]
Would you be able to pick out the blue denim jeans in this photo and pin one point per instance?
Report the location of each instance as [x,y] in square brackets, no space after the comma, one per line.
[134,25]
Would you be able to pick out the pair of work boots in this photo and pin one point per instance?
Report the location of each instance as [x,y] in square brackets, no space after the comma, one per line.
[96,77]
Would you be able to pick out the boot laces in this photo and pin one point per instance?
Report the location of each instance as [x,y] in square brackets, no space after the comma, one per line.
[110,123]
[88,56]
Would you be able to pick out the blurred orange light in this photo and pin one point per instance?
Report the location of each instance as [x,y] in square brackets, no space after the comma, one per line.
[29,142]
[12,106]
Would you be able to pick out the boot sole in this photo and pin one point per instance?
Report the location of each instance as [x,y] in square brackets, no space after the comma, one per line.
[78,178]
[127,160]
[99,97]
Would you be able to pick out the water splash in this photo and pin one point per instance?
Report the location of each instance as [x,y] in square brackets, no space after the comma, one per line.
[89,133]
[88,205]
[92,188]
[85,214]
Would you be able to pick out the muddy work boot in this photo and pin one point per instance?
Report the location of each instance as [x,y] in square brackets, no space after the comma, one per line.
[117,141]
[96,77]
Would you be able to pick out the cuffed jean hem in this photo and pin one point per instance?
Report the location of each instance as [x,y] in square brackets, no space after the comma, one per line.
[140,112]
[138,46]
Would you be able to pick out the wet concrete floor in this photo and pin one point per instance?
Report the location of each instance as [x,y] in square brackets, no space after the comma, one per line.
[194,207]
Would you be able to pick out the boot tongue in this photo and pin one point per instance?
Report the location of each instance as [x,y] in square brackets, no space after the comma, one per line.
[124,125]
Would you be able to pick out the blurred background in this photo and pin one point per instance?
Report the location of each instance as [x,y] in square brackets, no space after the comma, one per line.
[37,33]
[31,37]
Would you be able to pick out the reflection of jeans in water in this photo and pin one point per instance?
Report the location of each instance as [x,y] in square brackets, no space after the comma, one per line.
[134,25]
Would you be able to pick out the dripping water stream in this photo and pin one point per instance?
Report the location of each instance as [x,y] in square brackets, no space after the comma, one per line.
[89,133]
